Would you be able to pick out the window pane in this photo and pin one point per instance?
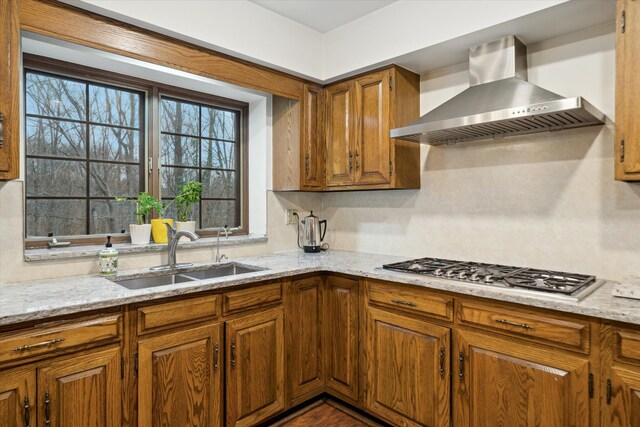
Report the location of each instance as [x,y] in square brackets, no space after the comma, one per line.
[110,216]
[114,180]
[55,97]
[109,143]
[179,151]
[172,177]
[218,184]
[113,106]
[179,117]
[60,217]
[218,124]
[51,178]
[55,138]
[216,213]
[218,154]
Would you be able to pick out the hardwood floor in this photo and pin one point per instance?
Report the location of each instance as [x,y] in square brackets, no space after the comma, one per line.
[326,414]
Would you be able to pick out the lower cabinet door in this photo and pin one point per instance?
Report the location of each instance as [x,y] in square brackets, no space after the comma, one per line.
[407,370]
[255,367]
[180,378]
[502,382]
[81,391]
[623,398]
[18,397]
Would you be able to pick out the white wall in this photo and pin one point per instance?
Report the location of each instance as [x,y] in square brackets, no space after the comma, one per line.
[546,200]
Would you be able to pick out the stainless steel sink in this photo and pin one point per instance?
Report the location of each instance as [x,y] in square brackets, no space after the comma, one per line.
[153,281]
[223,270]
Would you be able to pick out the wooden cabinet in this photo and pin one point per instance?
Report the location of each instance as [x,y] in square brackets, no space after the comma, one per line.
[342,332]
[18,397]
[255,367]
[627,151]
[502,381]
[303,325]
[408,372]
[312,134]
[180,378]
[9,90]
[359,115]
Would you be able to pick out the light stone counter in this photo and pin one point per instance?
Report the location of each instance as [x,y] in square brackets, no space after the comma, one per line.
[24,301]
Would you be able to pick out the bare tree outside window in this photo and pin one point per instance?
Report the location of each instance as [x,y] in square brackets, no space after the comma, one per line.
[84,146]
[199,142]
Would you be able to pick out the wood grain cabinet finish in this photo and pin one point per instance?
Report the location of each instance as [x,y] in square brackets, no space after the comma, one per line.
[81,391]
[503,382]
[622,397]
[408,371]
[180,378]
[254,367]
[303,325]
[312,142]
[18,401]
[627,146]
[340,134]
[342,331]
[9,89]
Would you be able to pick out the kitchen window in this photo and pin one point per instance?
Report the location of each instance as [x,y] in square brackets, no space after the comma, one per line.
[92,136]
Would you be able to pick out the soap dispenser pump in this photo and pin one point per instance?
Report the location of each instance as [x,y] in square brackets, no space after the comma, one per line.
[108,259]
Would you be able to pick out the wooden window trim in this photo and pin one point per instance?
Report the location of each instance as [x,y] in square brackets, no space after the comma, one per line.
[151,135]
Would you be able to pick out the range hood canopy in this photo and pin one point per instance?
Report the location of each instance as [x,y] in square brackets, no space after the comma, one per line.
[499,102]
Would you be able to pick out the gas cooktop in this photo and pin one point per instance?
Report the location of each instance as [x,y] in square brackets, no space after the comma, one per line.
[558,284]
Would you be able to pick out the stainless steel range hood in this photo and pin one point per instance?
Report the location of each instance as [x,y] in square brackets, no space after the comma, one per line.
[499,102]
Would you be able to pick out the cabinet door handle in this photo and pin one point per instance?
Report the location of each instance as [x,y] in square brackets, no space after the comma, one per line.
[461,366]
[442,361]
[407,303]
[26,412]
[357,160]
[609,391]
[216,350]
[37,345]
[306,165]
[350,161]
[47,410]
[510,323]
[233,353]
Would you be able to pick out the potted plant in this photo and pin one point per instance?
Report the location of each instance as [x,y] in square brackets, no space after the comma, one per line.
[189,194]
[140,232]
[158,227]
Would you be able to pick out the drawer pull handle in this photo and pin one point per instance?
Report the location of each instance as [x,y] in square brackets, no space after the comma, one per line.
[510,323]
[215,363]
[47,410]
[26,411]
[442,361]
[37,345]
[233,353]
[407,303]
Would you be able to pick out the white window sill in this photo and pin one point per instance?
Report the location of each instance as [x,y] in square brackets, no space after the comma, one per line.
[127,248]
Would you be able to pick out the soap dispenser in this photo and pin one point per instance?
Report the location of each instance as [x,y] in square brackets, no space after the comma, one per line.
[108,259]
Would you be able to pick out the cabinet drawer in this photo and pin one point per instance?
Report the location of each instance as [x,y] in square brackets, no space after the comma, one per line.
[244,299]
[412,300]
[626,345]
[49,337]
[156,317]
[563,333]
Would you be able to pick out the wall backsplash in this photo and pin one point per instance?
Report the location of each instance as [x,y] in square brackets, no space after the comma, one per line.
[546,200]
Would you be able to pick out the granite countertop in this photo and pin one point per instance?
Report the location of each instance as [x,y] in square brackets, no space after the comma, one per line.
[25,301]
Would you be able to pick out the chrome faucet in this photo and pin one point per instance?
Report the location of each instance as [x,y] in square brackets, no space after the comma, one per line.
[219,256]
[172,247]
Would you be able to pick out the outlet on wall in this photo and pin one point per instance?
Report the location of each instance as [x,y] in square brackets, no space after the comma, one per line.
[290,218]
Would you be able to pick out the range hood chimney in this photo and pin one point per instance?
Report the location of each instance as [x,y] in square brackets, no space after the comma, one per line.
[499,102]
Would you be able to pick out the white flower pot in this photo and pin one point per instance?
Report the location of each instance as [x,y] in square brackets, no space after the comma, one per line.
[185,225]
[140,234]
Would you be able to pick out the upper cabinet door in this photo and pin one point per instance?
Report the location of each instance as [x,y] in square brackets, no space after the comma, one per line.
[9,87]
[81,391]
[339,134]
[627,156]
[312,138]
[372,153]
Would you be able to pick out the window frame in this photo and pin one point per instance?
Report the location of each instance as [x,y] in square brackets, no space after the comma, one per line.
[150,160]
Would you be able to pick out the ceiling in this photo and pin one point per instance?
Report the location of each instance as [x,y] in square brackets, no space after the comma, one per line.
[323,15]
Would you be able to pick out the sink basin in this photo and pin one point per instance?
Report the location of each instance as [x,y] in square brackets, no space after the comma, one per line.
[221,271]
[183,276]
[153,281]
